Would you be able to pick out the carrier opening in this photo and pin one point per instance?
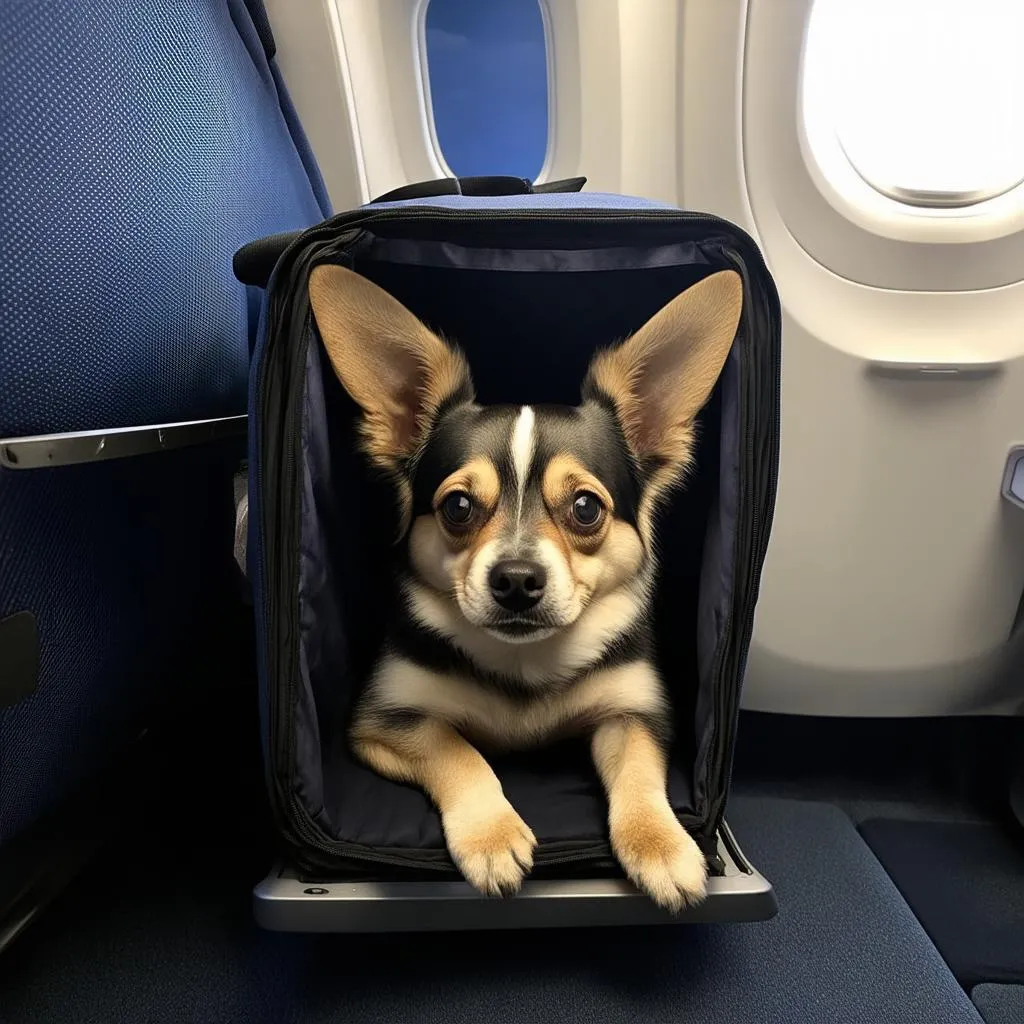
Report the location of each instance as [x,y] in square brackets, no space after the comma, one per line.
[529,321]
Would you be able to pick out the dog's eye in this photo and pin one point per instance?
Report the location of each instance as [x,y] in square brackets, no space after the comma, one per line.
[587,509]
[457,508]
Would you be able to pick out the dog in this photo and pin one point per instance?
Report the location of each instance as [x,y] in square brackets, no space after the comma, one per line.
[524,609]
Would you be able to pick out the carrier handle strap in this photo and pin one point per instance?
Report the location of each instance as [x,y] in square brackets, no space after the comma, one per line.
[254,262]
[480,185]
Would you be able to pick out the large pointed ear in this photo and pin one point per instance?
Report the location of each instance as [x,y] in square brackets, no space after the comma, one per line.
[397,371]
[661,376]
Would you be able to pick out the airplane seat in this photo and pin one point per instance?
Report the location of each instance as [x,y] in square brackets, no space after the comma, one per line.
[140,145]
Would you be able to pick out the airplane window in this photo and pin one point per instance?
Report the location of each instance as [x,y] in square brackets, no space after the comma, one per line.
[487,65]
[925,97]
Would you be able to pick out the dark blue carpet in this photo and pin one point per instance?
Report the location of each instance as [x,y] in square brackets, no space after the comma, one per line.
[174,943]
[965,882]
[1000,1004]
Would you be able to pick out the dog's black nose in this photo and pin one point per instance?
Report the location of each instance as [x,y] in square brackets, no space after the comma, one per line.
[517,584]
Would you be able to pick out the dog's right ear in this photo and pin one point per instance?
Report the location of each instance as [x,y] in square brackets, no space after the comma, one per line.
[396,369]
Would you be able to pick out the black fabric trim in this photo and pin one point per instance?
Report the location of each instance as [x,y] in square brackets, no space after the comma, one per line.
[19,658]
[479,185]
[254,262]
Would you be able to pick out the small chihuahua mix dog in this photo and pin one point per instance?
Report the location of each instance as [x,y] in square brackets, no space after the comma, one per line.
[525,601]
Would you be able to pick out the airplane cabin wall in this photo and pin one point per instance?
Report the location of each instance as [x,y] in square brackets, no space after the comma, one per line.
[895,569]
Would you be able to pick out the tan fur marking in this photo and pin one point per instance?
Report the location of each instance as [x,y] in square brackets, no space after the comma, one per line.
[478,478]
[619,559]
[444,560]
[490,843]
[396,369]
[661,377]
[491,530]
[652,846]
[549,529]
[564,475]
[430,552]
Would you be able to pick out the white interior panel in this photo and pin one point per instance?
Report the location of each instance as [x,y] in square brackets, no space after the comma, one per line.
[614,94]
[356,72]
[838,218]
[895,568]
[313,61]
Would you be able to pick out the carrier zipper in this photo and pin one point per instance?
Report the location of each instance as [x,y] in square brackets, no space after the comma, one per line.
[727,714]
[308,248]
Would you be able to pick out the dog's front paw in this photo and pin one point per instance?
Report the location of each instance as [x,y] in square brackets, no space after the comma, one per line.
[659,856]
[491,845]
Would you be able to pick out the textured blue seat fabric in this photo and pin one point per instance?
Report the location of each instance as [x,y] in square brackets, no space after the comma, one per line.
[844,949]
[965,882]
[140,144]
[999,1004]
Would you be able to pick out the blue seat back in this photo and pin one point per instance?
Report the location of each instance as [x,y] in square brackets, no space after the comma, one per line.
[140,145]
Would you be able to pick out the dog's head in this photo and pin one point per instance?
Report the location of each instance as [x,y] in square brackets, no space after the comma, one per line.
[526,516]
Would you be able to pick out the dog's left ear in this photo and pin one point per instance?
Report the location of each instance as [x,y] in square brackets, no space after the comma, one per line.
[398,371]
[661,376]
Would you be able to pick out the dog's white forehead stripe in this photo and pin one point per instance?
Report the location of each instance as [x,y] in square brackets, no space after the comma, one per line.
[523,444]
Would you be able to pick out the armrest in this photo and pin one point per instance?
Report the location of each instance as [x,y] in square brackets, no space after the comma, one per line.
[1013,476]
[49,450]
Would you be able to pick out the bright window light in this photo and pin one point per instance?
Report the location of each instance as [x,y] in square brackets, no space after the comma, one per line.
[924,97]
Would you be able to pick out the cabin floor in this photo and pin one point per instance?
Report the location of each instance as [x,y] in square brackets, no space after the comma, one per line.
[898,867]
